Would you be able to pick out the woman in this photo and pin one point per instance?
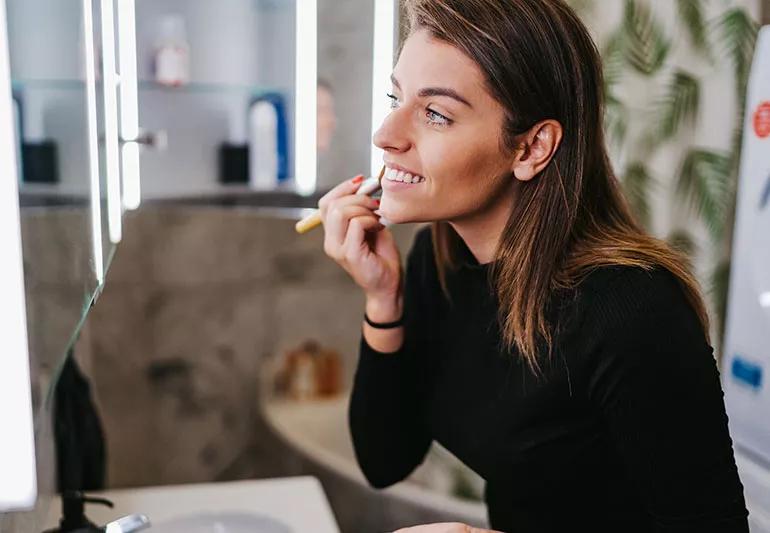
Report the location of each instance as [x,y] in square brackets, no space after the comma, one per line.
[539,333]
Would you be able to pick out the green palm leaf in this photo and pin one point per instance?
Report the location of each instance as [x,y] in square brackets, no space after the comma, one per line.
[648,46]
[613,58]
[691,14]
[637,182]
[679,106]
[615,121]
[704,181]
[737,33]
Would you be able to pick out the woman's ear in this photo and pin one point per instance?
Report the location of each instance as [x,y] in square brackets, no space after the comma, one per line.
[535,149]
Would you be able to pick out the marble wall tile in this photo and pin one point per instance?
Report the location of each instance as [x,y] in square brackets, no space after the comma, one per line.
[330,315]
[174,371]
[57,245]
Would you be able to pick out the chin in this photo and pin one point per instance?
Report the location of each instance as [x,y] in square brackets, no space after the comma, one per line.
[395,214]
[403,212]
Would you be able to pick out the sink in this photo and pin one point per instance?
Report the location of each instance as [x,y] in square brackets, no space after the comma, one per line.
[278,505]
[225,522]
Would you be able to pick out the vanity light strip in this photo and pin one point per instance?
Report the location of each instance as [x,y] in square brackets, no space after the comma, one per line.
[129,104]
[382,63]
[306,80]
[93,143]
[110,79]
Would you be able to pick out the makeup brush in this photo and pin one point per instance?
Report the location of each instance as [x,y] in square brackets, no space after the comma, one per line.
[368,187]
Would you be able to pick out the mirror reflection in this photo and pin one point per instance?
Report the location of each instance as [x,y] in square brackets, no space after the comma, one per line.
[50,104]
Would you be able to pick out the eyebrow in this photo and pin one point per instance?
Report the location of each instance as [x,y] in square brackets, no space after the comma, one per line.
[436,91]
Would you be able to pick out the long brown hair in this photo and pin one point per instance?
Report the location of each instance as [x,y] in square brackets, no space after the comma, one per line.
[541,63]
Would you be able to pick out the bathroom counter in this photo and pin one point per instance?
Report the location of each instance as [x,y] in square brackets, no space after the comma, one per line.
[297,502]
[318,429]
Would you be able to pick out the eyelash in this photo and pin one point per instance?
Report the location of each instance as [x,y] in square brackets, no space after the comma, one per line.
[431,115]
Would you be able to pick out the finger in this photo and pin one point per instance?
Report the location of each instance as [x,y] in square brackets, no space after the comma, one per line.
[343,189]
[352,199]
[354,245]
[335,223]
[337,227]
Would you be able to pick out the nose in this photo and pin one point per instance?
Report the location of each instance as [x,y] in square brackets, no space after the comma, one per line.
[393,134]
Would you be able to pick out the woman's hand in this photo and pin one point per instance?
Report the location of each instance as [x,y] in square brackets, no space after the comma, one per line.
[356,240]
[453,527]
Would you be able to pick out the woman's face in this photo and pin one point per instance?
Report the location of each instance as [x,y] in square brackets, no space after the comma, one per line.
[445,128]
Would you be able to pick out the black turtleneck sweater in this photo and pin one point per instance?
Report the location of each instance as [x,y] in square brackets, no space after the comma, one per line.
[625,432]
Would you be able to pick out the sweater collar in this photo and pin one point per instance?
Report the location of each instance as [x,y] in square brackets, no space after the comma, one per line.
[468,260]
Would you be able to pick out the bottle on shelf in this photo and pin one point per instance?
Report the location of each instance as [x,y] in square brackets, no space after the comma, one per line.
[172,53]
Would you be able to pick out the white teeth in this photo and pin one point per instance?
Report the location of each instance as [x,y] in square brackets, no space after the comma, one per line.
[405,177]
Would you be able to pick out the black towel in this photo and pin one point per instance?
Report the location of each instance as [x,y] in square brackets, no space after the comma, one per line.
[80,448]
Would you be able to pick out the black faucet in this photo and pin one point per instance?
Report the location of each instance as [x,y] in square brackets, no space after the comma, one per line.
[74,519]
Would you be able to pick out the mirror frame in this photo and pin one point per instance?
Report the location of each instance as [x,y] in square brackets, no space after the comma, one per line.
[18,483]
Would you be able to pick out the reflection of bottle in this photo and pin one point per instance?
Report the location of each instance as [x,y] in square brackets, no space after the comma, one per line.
[172,55]
[263,149]
[267,142]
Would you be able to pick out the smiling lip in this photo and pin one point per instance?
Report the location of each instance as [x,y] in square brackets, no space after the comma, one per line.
[404,169]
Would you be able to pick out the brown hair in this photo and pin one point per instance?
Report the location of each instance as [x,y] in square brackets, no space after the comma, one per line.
[541,63]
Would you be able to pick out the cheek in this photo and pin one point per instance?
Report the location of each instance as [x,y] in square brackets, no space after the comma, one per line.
[465,169]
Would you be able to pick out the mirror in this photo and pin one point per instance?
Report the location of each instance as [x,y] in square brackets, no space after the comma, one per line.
[217,108]
[215,314]
[344,91]
[57,219]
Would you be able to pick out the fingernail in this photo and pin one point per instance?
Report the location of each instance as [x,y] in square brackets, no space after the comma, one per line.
[358,179]
[376,201]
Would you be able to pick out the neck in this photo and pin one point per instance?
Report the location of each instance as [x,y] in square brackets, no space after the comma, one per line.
[481,231]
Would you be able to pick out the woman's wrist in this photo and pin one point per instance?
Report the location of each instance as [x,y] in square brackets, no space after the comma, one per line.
[384,307]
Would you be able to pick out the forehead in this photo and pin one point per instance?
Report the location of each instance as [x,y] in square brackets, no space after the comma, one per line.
[427,61]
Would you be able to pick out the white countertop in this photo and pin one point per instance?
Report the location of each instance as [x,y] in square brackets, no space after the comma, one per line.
[318,429]
[298,502]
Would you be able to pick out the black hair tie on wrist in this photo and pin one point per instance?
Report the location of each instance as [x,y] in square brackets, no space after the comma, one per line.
[384,325]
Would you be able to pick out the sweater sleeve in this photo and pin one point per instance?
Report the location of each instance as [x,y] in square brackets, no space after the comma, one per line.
[656,385]
[387,407]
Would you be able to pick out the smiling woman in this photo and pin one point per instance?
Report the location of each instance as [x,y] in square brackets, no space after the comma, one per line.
[538,333]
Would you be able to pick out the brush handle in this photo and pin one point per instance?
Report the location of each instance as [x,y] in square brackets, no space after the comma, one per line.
[308,223]
[368,187]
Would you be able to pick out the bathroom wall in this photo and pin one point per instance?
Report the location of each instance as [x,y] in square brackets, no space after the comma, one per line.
[197,301]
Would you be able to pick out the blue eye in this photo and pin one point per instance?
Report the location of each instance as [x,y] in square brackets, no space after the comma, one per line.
[393,101]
